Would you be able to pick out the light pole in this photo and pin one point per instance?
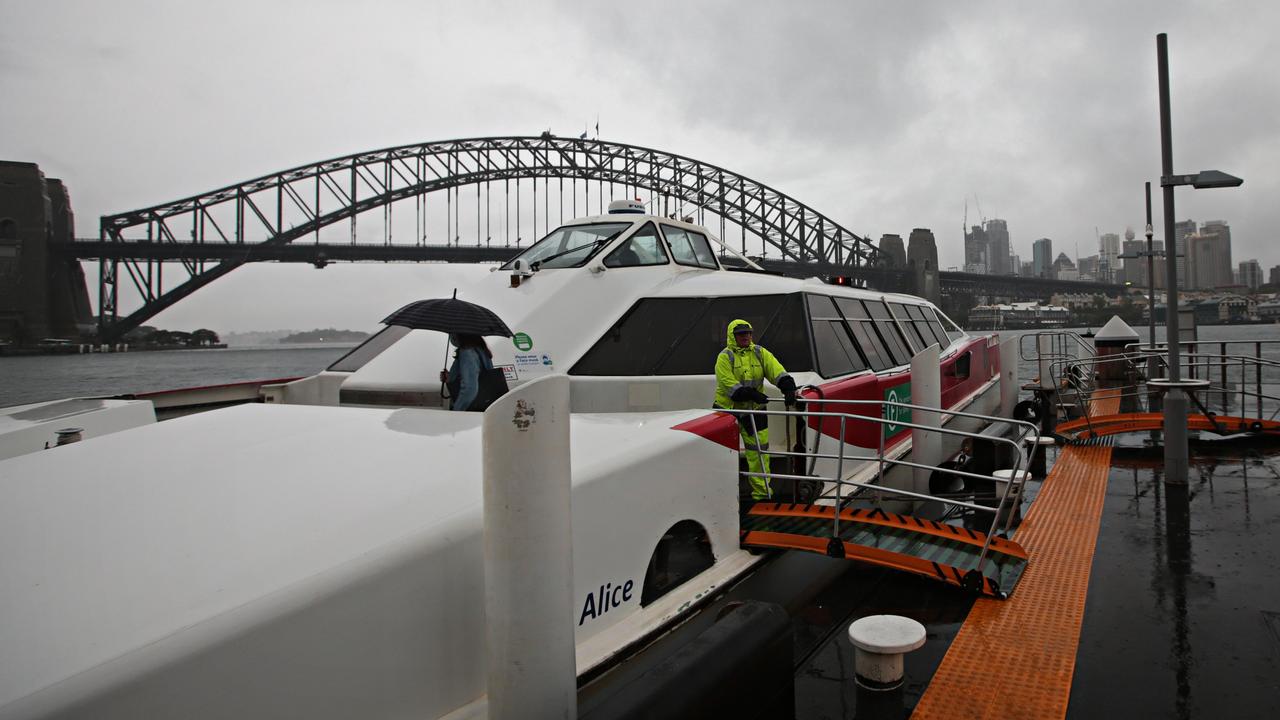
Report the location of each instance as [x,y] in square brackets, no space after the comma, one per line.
[1175,405]
[1151,276]
[1150,254]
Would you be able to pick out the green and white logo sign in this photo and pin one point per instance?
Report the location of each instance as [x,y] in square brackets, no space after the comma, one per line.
[894,413]
[522,341]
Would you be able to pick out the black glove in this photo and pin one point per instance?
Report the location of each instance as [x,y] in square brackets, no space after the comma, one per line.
[744,394]
[787,385]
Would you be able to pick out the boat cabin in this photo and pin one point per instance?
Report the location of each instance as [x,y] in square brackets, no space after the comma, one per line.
[634,307]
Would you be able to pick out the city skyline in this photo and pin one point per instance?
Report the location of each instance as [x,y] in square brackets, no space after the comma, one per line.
[1110,248]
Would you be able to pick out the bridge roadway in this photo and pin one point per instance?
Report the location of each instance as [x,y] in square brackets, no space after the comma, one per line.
[889,279]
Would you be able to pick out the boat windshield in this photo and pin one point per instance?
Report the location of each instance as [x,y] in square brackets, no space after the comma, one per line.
[569,246]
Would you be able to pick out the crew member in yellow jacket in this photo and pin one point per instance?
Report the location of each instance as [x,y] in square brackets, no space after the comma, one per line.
[741,370]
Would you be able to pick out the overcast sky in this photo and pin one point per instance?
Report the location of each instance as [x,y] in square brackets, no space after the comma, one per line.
[884,116]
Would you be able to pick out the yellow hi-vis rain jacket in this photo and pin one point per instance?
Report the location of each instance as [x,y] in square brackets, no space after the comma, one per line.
[744,367]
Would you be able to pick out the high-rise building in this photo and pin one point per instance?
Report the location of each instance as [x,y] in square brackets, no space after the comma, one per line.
[998,247]
[1133,264]
[1108,254]
[1274,278]
[1042,258]
[1182,230]
[975,249]
[1226,268]
[1208,262]
[1064,269]
[1015,264]
[1090,268]
[1250,274]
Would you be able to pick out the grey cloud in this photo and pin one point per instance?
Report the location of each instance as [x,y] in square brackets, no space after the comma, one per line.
[885,116]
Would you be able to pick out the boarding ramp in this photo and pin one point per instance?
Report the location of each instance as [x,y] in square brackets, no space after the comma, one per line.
[966,545]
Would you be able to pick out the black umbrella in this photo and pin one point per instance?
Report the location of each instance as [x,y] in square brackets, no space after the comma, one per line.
[449,315]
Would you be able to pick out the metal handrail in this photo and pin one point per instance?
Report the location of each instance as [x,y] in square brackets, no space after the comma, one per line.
[1206,360]
[1011,488]
[1054,335]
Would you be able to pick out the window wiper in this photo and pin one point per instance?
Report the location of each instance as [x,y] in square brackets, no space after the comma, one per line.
[536,264]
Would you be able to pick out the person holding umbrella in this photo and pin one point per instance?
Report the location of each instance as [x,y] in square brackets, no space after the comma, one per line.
[463,378]
[473,381]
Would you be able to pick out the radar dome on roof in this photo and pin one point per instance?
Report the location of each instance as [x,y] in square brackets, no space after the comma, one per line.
[626,207]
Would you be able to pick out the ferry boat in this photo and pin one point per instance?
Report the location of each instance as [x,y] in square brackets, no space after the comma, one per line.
[318,553]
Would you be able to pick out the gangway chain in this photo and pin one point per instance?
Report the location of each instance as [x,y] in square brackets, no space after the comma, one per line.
[916,545]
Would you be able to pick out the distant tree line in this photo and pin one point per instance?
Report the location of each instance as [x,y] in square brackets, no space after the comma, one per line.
[146,335]
[325,335]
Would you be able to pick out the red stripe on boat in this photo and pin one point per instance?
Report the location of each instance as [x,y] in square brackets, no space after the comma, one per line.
[718,427]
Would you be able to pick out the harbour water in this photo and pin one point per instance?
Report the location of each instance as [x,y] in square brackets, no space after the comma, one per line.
[39,378]
[35,379]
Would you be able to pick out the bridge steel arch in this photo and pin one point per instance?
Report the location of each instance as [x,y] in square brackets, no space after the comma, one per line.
[295,204]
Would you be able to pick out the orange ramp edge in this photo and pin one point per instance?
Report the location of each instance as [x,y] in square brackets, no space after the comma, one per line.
[1015,658]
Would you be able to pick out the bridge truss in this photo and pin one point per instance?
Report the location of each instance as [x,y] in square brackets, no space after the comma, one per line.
[211,234]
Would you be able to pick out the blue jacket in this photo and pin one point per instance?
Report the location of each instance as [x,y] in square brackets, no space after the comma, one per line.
[464,376]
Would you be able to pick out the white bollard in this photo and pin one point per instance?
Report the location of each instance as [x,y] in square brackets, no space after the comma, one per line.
[880,642]
[1009,388]
[1015,484]
[926,390]
[528,546]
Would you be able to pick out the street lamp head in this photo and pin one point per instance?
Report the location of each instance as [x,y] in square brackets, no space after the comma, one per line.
[1215,179]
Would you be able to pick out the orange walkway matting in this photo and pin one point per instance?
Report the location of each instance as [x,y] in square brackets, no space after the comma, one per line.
[1105,402]
[1015,658]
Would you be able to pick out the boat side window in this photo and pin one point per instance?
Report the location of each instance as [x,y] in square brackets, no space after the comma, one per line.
[836,351]
[952,330]
[570,245]
[787,337]
[643,248]
[918,342]
[369,349]
[893,340]
[935,327]
[689,247]
[960,368]
[779,324]
[642,337]
[920,319]
[864,332]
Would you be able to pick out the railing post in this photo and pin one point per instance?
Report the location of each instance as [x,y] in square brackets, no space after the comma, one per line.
[926,391]
[1008,377]
[1044,357]
[528,553]
[1257,375]
[1222,365]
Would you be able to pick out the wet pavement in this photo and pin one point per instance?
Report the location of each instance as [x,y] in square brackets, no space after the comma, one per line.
[1183,612]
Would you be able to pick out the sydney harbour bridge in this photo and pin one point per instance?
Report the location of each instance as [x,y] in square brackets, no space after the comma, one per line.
[480,200]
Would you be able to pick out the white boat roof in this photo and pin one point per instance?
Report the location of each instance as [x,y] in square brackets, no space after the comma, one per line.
[564,311]
[180,525]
